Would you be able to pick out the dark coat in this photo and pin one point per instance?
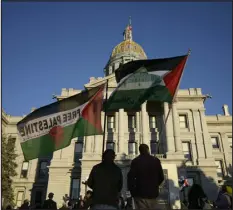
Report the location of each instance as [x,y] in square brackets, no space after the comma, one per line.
[106,182]
[50,204]
[224,201]
[24,206]
[196,197]
[145,176]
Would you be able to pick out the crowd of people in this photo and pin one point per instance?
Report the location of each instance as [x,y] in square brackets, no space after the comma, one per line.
[143,181]
[197,198]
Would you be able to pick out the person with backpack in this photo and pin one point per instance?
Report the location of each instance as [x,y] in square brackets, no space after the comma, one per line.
[224,200]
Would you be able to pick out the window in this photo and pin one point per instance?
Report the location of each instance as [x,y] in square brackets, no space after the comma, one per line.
[38,197]
[230,141]
[75,188]
[43,169]
[219,169]
[19,198]
[11,143]
[24,171]
[183,121]
[78,150]
[131,121]
[78,147]
[215,142]
[110,69]
[187,150]
[111,122]
[131,147]
[153,147]
[193,177]
[110,145]
[12,140]
[190,181]
[152,121]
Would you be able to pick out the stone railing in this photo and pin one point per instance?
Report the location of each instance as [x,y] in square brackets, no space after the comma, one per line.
[160,156]
[132,156]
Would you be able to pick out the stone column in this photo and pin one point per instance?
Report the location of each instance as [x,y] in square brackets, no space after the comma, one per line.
[121,131]
[224,140]
[138,133]
[60,173]
[137,122]
[116,130]
[198,135]
[57,154]
[85,172]
[116,122]
[227,159]
[88,144]
[97,143]
[176,128]
[102,122]
[59,183]
[145,125]
[206,136]
[167,130]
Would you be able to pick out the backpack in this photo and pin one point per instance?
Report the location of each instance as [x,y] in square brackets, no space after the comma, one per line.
[204,203]
[229,200]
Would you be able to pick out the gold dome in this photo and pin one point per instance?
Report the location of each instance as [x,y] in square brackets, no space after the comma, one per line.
[130,47]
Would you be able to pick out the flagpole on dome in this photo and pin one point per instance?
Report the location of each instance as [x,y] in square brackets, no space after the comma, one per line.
[105,116]
[130,28]
[174,98]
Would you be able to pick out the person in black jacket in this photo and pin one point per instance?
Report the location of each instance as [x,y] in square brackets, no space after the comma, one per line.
[144,178]
[50,204]
[25,205]
[196,197]
[106,182]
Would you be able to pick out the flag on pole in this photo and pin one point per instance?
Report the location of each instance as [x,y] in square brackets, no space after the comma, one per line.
[141,80]
[52,127]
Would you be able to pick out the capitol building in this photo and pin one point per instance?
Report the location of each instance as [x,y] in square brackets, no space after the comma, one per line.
[190,144]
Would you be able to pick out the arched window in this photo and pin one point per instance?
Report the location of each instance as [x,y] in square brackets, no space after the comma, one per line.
[43,170]
[24,170]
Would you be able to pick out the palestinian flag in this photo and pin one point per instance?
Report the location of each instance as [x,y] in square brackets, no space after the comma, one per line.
[141,80]
[52,127]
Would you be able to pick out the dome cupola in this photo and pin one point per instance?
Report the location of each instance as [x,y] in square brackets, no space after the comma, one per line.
[124,52]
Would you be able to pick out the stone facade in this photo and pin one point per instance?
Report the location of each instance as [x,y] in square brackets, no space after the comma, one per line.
[188,143]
